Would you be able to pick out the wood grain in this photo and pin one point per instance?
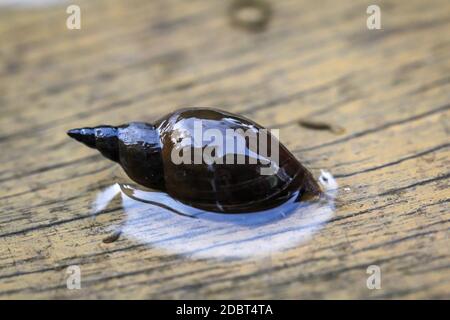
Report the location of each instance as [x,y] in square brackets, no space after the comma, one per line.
[316,60]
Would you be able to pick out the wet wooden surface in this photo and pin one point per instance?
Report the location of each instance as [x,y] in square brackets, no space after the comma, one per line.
[136,60]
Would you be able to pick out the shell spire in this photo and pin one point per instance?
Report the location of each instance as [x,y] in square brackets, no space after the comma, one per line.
[103,138]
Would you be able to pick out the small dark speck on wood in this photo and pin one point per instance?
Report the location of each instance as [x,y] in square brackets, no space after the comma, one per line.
[318,125]
[112,237]
[252,15]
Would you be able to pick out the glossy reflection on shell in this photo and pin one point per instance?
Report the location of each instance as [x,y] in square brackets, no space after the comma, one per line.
[145,152]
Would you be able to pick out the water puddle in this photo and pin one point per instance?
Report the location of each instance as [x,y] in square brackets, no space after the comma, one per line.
[156,219]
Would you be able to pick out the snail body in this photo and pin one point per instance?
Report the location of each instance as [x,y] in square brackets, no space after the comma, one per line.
[150,154]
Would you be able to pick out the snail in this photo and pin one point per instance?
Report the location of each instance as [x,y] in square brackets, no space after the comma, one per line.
[219,179]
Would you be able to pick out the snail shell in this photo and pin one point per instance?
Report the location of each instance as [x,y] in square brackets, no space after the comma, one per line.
[145,152]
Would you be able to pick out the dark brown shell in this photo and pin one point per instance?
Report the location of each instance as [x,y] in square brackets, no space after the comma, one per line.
[145,153]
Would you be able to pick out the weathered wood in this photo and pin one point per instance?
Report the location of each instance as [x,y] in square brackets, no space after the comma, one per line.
[316,60]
